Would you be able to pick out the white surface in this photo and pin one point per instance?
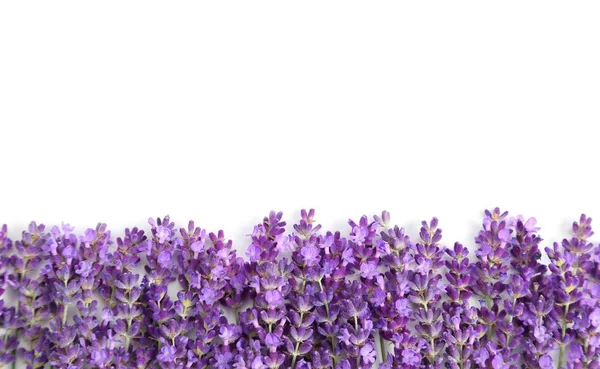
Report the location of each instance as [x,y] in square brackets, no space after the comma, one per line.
[221,111]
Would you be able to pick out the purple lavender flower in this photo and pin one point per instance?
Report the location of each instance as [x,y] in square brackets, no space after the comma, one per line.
[426,292]
[410,357]
[570,264]
[369,270]
[8,318]
[167,354]
[274,298]
[463,331]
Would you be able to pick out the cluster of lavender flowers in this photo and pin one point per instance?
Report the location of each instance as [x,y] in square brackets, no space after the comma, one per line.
[182,298]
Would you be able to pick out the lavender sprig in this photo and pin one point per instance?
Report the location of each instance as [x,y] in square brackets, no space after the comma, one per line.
[8,315]
[463,331]
[426,286]
[568,263]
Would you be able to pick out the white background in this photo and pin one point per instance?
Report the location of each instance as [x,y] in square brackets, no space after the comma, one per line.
[115,111]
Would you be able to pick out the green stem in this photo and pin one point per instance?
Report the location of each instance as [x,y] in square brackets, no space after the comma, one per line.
[110,299]
[561,352]
[64,316]
[432,344]
[333,340]
[561,355]
[21,275]
[326,302]
[295,354]
[333,356]
[14,364]
[383,350]
[488,304]
[127,338]
[564,327]
[356,331]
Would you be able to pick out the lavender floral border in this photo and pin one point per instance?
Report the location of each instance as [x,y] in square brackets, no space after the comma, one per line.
[183,298]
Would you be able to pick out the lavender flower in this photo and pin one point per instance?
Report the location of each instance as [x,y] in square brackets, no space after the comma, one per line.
[463,331]
[270,280]
[426,288]
[8,315]
[569,262]
[390,297]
